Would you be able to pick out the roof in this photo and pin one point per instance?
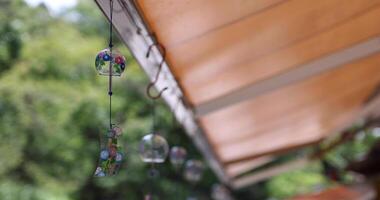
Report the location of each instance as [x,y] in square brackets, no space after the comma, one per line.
[251,80]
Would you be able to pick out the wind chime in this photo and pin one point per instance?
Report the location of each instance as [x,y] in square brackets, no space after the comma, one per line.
[220,192]
[153,147]
[193,173]
[177,154]
[109,62]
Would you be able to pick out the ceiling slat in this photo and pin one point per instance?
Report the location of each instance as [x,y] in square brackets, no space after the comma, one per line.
[318,105]
[174,20]
[254,37]
[284,66]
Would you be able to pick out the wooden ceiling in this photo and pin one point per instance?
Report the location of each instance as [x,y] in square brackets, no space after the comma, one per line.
[216,47]
[315,64]
[293,115]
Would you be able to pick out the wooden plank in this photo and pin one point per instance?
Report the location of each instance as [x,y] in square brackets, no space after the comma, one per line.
[308,129]
[268,173]
[255,37]
[294,101]
[282,67]
[178,22]
[236,169]
[310,110]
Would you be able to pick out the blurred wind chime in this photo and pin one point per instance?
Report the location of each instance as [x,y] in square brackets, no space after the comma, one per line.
[220,192]
[154,148]
[177,155]
[109,62]
[193,173]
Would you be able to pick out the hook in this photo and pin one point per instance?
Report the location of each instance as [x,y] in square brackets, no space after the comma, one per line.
[151,84]
[157,44]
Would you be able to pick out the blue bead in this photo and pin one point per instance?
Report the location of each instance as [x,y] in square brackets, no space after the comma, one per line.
[101,174]
[106,57]
[104,155]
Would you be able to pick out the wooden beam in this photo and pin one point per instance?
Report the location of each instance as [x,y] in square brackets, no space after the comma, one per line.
[236,169]
[268,173]
[324,64]
[276,152]
[372,108]
[135,34]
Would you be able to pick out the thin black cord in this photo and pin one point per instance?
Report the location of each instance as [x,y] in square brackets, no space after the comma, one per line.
[153,175]
[153,107]
[111,19]
[110,45]
[110,112]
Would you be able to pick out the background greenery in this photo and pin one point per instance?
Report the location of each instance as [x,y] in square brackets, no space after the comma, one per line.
[53,108]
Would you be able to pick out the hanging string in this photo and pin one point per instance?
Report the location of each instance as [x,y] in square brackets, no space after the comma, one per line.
[153,111]
[110,45]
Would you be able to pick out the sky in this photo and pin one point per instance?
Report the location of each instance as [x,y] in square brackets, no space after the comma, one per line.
[53,5]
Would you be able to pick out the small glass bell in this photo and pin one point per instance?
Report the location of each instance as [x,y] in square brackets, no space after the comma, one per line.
[193,170]
[177,156]
[153,149]
[111,156]
[103,59]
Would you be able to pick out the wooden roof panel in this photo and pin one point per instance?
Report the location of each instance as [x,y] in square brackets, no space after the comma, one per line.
[304,112]
[251,38]
[360,28]
[271,50]
[178,22]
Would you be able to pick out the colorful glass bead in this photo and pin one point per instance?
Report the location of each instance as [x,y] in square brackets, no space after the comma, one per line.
[99,172]
[111,157]
[153,149]
[104,155]
[119,60]
[105,58]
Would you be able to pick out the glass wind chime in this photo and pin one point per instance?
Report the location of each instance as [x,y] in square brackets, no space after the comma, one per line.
[109,62]
[177,154]
[154,148]
[177,157]
[193,173]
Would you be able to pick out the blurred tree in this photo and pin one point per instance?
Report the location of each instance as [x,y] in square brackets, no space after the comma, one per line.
[53,108]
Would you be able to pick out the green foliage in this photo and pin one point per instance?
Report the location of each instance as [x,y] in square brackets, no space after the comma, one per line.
[297,182]
[54,108]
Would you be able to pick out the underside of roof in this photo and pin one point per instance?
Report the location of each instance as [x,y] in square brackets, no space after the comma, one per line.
[251,80]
